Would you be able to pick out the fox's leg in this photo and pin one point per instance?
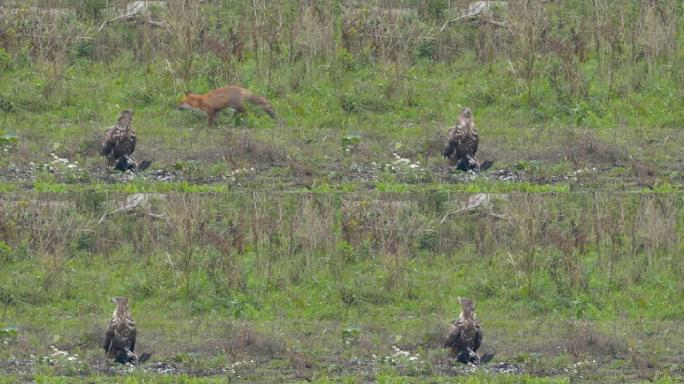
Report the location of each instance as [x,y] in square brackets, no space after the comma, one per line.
[211,116]
[240,114]
[241,110]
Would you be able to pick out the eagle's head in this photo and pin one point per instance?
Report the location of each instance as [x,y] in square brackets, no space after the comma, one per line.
[121,306]
[120,300]
[466,113]
[467,305]
[126,117]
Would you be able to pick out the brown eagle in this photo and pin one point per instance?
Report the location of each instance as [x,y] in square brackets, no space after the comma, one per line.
[119,144]
[120,335]
[462,141]
[465,336]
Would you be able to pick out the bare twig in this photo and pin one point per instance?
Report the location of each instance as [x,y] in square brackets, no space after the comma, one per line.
[469,16]
[129,208]
[477,11]
[478,201]
[466,209]
[122,17]
[130,16]
[472,15]
[133,202]
[501,24]
[156,23]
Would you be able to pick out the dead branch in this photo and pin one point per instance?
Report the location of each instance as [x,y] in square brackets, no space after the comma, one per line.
[470,16]
[477,201]
[130,16]
[474,13]
[127,16]
[501,24]
[133,202]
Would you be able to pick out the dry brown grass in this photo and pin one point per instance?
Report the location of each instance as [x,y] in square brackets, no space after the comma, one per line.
[392,227]
[583,340]
[243,147]
[242,339]
[302,363]
[583,147]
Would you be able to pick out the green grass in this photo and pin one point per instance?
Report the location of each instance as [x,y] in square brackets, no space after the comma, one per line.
[316,278]
[66,115]
[186,187]
[386,379]
[312,246]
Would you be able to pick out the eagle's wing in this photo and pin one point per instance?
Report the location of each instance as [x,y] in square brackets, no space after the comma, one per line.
[449,147]
[108,143]
[454,335]
[478,338]
[476,141]
[133,141]
[109,335]
[134,333]
[454,137]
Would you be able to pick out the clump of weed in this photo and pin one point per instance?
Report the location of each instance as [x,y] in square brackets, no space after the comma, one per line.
[242,339]
[7,141]
[584,147]
[244,147]
[584,340]
[435,334]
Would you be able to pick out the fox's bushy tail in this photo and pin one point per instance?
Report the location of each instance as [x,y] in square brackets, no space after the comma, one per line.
[261,102]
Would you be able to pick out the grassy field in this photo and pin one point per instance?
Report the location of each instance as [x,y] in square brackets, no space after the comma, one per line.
[571,114]
[330,244]
[273,287]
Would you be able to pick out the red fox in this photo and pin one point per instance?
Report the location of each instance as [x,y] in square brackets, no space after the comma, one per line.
[213,102]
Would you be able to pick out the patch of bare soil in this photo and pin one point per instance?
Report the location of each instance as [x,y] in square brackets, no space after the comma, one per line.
[453,368]
[268,166]
[356,367]
[22,176]
[17,367]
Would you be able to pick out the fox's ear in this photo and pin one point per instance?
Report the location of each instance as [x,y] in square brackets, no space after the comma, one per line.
[187,93]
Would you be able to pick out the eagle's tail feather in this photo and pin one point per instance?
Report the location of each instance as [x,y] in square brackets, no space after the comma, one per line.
[144,165]
[126,356]
[486,165]
[487,357]
[144,357]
